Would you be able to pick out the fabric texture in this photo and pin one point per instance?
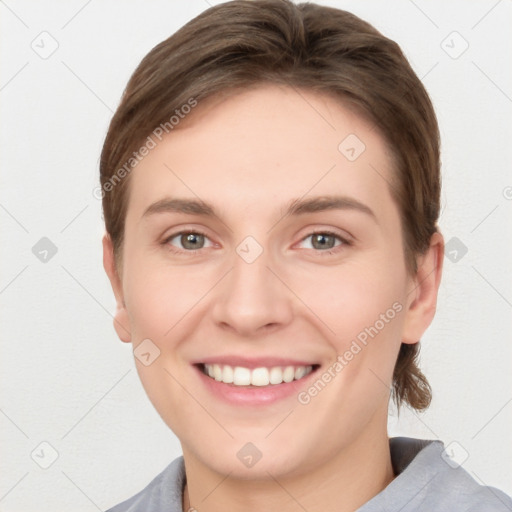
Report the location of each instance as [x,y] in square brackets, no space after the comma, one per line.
[426,481]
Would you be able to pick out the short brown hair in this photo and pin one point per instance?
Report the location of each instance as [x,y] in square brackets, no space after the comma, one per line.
[239,44]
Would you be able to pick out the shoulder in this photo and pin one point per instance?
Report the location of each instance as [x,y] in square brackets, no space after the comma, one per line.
[428,479]
[164,492]
[451,487]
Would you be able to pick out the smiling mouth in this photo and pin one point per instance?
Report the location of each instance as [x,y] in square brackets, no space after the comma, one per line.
[263,376]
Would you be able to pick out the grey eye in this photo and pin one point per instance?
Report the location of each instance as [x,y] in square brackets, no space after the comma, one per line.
[192,241]
[323,241]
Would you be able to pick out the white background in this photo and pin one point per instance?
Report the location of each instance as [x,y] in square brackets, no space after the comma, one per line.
[66,378]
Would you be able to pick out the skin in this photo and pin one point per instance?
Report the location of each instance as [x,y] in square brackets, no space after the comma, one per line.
[249,155]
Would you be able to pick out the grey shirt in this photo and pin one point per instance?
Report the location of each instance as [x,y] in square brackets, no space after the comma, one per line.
[426,481]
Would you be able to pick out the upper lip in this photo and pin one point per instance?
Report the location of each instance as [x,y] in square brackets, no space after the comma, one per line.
[256,362]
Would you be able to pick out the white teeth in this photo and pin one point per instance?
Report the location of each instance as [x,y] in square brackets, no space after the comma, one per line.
[289,374]
[259,377]
[300,372]
[217,372]
[276,375]
[240,376]
[227,374]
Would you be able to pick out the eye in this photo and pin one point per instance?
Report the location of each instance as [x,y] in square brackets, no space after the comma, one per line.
[191,241]
[325,241]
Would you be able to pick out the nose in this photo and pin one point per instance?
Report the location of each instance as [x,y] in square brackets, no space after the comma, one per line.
[252,299]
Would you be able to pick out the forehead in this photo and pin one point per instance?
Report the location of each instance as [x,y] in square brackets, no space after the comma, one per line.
[262,147]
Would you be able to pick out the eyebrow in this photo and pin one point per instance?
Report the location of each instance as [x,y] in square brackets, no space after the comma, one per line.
[295,207]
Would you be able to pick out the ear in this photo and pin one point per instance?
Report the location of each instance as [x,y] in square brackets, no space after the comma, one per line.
[121,320]
[423,291]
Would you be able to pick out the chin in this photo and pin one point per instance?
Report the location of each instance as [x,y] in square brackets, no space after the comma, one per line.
[260,459]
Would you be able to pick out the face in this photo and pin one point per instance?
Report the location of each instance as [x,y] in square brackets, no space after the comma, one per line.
[262,247]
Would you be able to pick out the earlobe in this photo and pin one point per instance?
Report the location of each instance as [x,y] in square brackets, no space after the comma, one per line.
[422,297]
[121,320]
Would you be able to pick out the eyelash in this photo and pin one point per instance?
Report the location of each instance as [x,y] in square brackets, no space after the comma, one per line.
[195,252]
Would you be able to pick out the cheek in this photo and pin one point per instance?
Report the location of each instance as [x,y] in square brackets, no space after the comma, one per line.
[351,297]
[161,298]
[162,302]
[346,299]
[362,304]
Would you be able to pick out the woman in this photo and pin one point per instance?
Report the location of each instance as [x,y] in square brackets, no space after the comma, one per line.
[271,192]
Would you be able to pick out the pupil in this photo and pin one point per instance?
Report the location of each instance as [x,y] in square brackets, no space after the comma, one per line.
[190,241]
[321,239]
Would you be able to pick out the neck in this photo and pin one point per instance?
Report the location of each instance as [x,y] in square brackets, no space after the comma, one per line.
[344,483]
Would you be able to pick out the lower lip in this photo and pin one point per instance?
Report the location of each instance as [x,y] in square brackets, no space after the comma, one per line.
[254,395]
